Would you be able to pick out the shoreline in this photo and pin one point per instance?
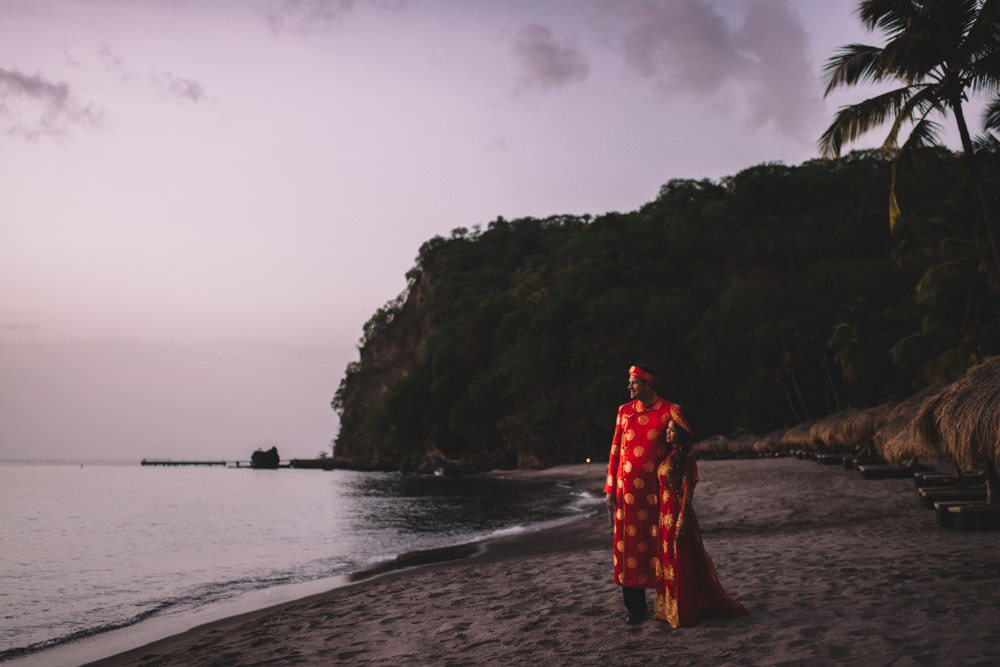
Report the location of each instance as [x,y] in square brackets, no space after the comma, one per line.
[104,645]
[833,569]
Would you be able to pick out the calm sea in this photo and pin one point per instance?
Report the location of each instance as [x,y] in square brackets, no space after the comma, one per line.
[88,548]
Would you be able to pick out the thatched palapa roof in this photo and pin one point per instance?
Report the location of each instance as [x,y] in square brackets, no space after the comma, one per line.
[962,423]
[893,441]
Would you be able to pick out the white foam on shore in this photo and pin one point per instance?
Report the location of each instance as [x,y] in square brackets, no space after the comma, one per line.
[113,642]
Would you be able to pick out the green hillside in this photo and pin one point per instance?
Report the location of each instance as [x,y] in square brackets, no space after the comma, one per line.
[765,299]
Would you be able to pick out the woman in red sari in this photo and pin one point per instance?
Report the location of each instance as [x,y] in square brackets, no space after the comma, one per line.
[687,586]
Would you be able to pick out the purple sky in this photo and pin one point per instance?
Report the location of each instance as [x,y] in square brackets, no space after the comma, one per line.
[205,200]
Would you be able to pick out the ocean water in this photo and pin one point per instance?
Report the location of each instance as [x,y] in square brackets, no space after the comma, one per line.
[88,548]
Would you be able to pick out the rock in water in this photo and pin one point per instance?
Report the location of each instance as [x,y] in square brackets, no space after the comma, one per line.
[262,459]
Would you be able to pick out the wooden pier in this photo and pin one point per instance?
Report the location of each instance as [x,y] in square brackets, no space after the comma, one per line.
[171,462]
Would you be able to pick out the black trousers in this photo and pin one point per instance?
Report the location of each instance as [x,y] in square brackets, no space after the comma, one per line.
[635,600]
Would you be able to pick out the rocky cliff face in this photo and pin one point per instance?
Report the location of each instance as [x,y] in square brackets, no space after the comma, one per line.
[388,351]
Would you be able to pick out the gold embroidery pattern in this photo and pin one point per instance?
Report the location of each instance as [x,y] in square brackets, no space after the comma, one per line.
[665,608]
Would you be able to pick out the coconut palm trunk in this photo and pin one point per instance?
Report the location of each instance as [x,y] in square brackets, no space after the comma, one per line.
[976,174]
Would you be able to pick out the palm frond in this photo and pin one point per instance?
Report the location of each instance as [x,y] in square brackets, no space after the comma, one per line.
[991,115]
[915,110]
[984,74]
[902,178]
[895,212]
[911,56]
[850,122]
[949,20]
[924,133]
[983,34]
[986,143]
[890,16]
[851,65]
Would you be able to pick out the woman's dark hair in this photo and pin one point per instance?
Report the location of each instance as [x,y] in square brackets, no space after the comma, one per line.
[679,454]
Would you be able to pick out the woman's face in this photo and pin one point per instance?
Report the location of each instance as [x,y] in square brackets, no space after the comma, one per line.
[671,433]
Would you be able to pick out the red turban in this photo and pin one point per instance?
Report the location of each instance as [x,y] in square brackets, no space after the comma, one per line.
[637,372]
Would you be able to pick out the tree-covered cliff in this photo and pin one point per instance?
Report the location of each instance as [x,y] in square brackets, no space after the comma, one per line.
[774,296]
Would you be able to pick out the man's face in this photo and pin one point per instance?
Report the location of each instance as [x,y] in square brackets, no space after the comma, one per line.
[635,387]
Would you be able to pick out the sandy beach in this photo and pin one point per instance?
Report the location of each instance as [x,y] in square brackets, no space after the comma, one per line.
[833,569]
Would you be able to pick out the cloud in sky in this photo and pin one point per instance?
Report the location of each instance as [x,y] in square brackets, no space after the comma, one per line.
[184,88]
[761,61]
[306,15]
[115,64]
[684,46]
[783,91]
[32,106]
[181,87]
[310,16]
[546,61]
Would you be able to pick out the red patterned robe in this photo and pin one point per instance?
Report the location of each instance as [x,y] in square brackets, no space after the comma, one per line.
[687,587]
[638,448]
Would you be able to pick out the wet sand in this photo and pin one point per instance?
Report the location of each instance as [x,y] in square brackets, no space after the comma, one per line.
[833,569]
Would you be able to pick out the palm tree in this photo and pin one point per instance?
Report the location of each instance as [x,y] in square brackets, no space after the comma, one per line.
[940,51]
[991,122]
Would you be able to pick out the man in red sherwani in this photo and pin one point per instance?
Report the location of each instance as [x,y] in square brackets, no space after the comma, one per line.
[632,489]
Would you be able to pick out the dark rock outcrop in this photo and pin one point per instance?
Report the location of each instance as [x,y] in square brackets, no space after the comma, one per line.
[268,460]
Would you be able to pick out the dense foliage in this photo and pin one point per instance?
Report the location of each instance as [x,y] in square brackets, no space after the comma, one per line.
[774,296]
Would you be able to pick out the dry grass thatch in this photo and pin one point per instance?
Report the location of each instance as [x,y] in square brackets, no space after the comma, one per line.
[850,429]
[925,439]
[772,443]
[719,446]
[862,429]
[893,441]
[799,437]
[963,421]
[831,431]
